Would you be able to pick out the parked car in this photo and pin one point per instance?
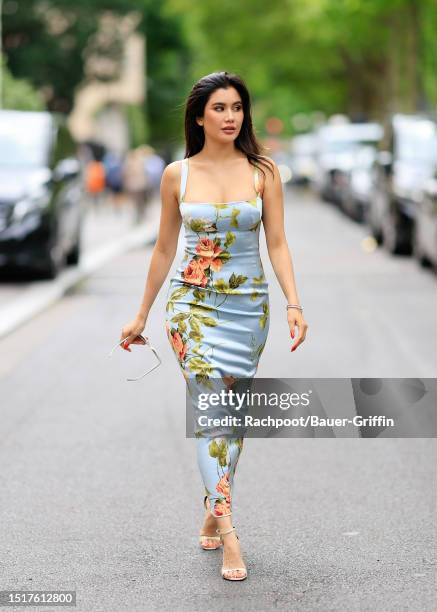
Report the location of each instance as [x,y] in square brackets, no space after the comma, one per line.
[425,227]
[302,159]
[335,157]
[405,164]
[40,193]
[356,186]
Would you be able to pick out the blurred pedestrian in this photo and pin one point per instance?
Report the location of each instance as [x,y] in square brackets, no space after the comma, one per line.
[135,181]
[113,163]
[95,180]
[154,166]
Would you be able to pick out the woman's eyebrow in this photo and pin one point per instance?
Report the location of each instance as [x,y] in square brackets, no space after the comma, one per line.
[224,103]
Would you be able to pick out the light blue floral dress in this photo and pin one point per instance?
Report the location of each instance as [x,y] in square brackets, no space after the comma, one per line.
[217,317]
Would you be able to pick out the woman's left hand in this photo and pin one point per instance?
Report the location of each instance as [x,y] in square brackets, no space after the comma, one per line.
[295,319]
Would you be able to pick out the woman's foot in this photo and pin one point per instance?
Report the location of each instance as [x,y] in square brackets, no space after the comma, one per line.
[209,529]
[233,566]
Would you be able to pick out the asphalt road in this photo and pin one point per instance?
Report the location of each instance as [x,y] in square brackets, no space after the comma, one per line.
[100,488]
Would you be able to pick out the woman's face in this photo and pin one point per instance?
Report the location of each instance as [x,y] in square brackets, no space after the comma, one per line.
[224,110]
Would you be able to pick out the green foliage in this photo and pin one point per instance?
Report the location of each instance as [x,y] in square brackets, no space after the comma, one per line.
[18,94]
[137,125]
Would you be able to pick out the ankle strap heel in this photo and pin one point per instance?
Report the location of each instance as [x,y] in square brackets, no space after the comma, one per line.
[222,533]
[228,571]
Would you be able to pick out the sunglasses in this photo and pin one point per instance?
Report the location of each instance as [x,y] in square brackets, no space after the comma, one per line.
[145,342]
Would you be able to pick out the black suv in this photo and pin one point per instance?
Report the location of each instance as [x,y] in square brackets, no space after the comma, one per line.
[40,193]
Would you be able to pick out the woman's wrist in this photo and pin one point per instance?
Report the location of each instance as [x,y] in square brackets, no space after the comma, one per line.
[142,318]
[295,306]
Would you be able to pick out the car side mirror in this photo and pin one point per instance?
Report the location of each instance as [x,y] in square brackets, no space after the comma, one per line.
[66,169]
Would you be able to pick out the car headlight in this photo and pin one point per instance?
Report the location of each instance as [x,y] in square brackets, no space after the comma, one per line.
[28,205]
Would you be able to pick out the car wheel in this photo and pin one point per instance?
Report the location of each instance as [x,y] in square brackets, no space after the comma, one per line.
[54,265]
[418,252]
[73,256]
[376,232]
[394,234]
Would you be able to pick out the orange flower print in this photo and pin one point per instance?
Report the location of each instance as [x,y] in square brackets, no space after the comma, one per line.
[222,507]
[205,247]
[179,347]
[194,274]
[206,262]
[216,264]
[223,485]
[209,252]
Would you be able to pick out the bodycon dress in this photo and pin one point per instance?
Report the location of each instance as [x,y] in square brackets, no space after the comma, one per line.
[217,318]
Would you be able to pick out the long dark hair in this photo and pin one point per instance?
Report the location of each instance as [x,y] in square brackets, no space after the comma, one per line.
[246,140]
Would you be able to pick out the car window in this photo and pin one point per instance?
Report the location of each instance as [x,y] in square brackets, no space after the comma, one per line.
[24,140]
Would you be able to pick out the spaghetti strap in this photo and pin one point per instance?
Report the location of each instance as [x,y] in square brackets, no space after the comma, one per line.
[184,176]
[256,180]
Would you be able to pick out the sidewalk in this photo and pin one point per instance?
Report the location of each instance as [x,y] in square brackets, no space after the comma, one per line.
[107,232]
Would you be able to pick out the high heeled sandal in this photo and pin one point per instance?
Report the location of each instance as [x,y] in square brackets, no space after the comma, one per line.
[225,570]
[204,538]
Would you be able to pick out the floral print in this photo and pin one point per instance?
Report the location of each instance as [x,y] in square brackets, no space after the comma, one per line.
[217,319]
[218,460]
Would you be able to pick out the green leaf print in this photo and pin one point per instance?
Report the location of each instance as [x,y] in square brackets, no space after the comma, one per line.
[195,325]
[239,443]
[182,327]
[199,295]
[200,308]
[230,239]
[259,279]
[224,256]
[221,206]
[260,349]
[208,321]
[263,318]
[202,225]
[255,226]
[254,295]
[219,451]
[176,295]
[221,285]
[196,336]
[180,317]
[199,366]
[234,214]
[236,280]
[203,379]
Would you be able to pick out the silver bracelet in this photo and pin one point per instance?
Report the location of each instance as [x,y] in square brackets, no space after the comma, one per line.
[294,306]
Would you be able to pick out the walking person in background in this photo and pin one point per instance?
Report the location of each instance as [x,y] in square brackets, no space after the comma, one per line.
[221,191]
[135,181]
[113,163]
[95,181]
[154,166]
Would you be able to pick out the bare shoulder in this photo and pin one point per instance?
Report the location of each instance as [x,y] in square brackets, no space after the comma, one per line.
[171,177]
[172,172]
[271,172]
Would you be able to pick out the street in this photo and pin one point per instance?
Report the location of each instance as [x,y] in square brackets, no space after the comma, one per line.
[101,490]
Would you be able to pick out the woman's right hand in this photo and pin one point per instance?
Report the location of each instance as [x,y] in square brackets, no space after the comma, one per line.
[131,331]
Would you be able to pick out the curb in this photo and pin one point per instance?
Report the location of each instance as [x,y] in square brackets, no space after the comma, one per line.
[46,293]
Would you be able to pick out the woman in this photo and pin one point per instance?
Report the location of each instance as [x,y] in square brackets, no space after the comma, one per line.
[217,303]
